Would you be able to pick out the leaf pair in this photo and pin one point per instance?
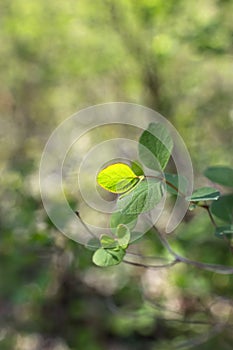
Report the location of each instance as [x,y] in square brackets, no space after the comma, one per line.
[155,147]
[112,250]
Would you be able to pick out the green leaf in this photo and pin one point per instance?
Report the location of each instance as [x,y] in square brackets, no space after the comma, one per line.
[123,235]
[137,168]
[108,257]
[119,217]
[142,199]
[107,241]
[204,194]
[117,178]
[193,206]
[178,181]
[223,208]
[220,174]
[155,146]
[222,231]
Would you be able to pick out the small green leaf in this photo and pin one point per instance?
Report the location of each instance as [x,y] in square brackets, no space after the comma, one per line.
[204,194]
[178,181]
[123,235]
[119,217]
[107,241]
[155,146]
[222,231]
[192,206]
[137,168]
[108,257]
[220,174]
[117,178]
[142,199]
[223,208]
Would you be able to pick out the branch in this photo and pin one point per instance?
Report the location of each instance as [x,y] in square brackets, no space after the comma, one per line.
[221,269]
[84,225]
[207,208]
[148,266]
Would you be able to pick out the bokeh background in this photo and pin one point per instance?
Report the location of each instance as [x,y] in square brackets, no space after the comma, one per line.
[57,57]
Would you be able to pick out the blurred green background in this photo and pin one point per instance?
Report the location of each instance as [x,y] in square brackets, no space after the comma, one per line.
[56,58]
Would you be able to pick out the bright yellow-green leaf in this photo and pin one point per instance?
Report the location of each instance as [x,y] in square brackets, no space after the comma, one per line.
[107,241]
[118,178]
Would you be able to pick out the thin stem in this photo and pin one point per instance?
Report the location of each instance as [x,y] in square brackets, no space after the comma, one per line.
[221,269]
[146,257]
[207,208]
[163,179]
[148,266]
[84,225]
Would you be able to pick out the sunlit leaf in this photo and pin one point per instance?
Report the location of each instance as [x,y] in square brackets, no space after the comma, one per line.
[107,241]
[117,178]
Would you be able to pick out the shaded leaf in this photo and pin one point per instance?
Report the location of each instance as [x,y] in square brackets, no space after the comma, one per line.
[220,174]
[142,199]
[223,208]
[204,194]
[155,146]
[222,231]
[137,168]
[119,217]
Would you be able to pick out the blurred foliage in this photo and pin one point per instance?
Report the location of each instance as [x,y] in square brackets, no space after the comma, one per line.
[59,57]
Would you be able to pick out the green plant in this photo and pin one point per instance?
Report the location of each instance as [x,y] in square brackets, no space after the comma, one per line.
[140,193]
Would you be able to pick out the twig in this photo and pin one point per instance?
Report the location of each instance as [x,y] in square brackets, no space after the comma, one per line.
[84,225]
[164,180]
[221,269]
[148,266]
[207,208]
